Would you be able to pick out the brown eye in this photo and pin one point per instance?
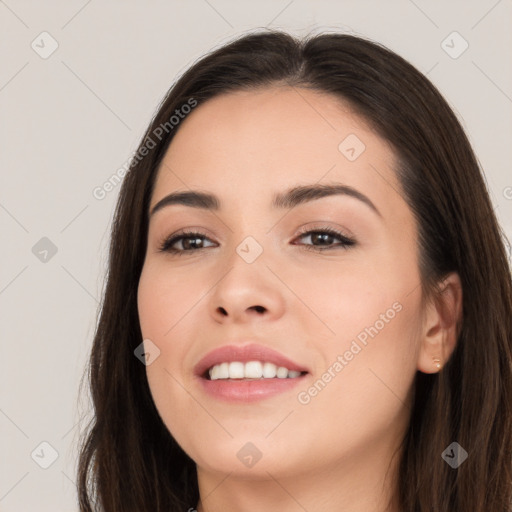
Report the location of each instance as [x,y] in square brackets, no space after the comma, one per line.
[322,239]
[190,242]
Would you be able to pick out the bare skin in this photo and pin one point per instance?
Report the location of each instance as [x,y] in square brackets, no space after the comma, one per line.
[330,450]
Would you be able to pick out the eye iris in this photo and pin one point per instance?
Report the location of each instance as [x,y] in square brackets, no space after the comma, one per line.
[191,241]
[323,238]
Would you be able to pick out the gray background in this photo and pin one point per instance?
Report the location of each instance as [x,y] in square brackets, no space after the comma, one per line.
[70,120]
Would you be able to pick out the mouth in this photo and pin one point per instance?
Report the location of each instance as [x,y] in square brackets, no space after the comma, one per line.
[247,373]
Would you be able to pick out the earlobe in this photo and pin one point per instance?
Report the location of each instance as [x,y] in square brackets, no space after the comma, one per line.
[441,325]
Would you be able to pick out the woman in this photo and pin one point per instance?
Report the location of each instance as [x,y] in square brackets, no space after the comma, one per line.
[308,303]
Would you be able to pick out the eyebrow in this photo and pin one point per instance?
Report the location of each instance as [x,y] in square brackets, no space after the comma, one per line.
[288,199]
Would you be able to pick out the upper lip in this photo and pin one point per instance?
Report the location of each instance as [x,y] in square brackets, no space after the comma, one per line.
[245,353]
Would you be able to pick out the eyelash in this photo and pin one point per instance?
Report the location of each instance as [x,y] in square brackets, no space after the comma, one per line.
[346,242]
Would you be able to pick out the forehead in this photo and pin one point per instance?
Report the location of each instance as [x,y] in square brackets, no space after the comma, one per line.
[249,144]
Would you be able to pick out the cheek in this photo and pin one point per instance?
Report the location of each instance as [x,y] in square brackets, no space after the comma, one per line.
[369,317]
[162,305]
[340,299]
[164,300]
[363,389]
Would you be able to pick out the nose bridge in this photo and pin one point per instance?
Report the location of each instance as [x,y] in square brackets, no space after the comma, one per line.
[247,286]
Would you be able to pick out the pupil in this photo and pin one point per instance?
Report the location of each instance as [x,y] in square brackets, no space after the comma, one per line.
[189,242]
[322,237]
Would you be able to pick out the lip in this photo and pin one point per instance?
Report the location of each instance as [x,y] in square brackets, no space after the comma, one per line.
[246,390]
[244,354]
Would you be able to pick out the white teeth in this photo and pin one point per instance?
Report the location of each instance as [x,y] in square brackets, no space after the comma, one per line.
[214,372]
[282,372]
[269,370]
[236,370]
[250,370]
[223,371]
[253,370]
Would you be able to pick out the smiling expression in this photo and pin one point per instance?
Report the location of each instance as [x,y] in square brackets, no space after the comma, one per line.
[277,259]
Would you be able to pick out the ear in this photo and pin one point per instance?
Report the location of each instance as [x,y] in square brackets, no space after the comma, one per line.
[441,325]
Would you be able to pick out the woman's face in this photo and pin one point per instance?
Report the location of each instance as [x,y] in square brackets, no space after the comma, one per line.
[343,310]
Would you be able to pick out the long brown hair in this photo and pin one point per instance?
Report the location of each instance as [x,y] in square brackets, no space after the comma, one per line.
[128,459]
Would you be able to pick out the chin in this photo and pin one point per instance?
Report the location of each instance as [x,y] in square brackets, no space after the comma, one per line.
[244,456]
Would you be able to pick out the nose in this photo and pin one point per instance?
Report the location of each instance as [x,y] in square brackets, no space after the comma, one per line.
[247,292]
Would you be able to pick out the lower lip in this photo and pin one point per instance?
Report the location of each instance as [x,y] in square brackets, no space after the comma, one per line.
[246,391]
